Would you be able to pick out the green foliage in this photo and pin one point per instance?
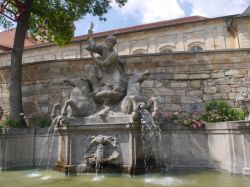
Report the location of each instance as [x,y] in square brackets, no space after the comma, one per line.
[10,123]
[53,19]
[40,120]
[217,111]
[193,120]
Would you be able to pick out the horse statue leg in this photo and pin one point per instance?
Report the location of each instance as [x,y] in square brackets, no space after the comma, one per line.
[73,107]
[55,111]
[153,105]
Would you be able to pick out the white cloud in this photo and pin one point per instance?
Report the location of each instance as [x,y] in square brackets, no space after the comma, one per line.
[153,10]
[214,8]
[147,11]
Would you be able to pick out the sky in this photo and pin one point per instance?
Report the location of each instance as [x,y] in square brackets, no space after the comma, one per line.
[137,12]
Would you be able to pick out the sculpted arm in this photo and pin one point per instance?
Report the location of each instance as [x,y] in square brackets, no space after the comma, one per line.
[68,82]
[111,59]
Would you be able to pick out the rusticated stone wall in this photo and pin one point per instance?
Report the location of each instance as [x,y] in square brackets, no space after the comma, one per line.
[180,81]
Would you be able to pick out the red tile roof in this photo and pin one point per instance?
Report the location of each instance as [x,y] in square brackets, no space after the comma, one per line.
[9,35]
[145,27]
[7,40]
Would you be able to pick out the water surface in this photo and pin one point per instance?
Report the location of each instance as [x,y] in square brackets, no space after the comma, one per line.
[48,178]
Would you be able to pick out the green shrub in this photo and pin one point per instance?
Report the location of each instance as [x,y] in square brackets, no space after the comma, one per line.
[41,120]
[10,123]
[217,111]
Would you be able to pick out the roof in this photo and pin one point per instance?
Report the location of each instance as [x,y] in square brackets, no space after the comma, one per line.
[145,27]
[7,40]
[245,13]
[138,28]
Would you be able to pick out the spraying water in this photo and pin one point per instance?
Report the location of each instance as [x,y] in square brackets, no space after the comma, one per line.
[52,126]
[151,140]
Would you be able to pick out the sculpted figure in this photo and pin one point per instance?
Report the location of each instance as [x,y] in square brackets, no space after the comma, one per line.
[96,154]
[107,74]
[80,102]
[135,99]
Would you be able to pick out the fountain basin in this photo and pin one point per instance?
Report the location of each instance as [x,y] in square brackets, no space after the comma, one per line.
[223,145]
[75,135]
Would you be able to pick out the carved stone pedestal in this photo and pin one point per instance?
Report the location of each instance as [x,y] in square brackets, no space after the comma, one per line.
[74,139]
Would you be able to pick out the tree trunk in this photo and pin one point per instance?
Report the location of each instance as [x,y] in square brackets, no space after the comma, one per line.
[15,97]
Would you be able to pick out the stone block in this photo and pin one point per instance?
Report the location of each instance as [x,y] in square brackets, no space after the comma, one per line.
[233,95]
[180,76]
[216,96]
[158,84]
[180,92]
[199,76]
[225,88]
[217,75]
[147,84]
[243,72]
[242,90]
[167,99]
[178,85]
[246,81]
[195,84]
[27,99]
[235,81]
[195,93]
[164,91]
[195,152]
[176,99]
[44,97]
[232,72]
[160,99]
[166,84]
[193,107]
[188,99]
[224,95]
[207,97]
[171,107]
[54,69]
[210,90]
[220,81]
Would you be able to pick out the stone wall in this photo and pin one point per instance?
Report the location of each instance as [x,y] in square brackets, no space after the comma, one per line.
[180,81]
[27,148]
[218,146]
[210,34]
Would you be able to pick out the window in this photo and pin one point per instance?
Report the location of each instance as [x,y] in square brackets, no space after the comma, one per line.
[167,49]
[139,51]
[196,49]
[196,46]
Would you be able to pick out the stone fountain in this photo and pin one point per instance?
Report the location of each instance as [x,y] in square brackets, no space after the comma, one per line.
[107,124]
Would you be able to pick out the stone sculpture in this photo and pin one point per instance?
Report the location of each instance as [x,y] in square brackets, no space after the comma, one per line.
[135,98]
[107,74]
[80,102]
[101,149]
[106,100]
[105,86]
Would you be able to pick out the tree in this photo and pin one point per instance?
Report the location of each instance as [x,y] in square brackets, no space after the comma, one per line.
[53,21]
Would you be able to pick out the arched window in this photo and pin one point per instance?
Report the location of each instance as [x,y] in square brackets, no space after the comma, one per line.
[167,49]
[196,46]
[196,49]
[139,51]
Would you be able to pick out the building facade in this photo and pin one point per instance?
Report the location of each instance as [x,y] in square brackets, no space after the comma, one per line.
[192,34]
